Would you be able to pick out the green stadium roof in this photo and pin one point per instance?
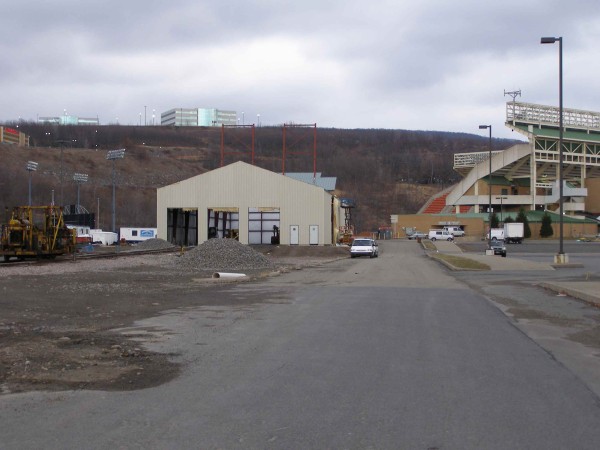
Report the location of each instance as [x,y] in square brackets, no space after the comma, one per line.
[532,217]
[553,133]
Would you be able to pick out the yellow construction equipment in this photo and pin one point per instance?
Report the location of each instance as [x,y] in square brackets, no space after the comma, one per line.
[36,232]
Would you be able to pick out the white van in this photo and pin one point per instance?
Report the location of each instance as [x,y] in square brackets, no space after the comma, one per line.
[497,234]
[440,234]
[455,231]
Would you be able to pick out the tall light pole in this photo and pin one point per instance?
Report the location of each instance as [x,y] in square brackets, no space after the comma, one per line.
[79,178]
[501,213]
[62,143]
[31,167]
[560,258]
[113,155]
[483,127]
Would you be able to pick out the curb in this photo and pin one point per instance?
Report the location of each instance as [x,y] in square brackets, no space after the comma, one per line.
[452,267]
[567,266]
[591,299]
[444,263]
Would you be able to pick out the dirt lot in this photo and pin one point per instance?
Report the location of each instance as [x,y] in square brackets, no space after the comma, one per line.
[58,318]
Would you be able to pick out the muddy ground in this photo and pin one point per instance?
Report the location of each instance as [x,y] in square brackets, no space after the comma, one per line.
[58,319]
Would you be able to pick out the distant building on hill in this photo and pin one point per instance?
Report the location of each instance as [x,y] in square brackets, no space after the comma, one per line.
[198,117]
[69,120]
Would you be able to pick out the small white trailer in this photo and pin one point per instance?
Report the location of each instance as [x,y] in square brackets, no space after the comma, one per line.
[134,235]
[103,237]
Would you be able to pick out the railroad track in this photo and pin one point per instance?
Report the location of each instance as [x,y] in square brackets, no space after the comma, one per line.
[88,256]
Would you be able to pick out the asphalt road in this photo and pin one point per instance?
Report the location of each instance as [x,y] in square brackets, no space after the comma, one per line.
[391,352]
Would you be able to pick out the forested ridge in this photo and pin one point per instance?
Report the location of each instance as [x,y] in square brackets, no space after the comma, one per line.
[384,171]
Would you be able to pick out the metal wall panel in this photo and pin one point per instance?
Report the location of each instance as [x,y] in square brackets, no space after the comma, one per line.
[243,186]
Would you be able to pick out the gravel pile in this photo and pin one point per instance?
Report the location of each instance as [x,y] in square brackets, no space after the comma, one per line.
[154,244]
[224,255]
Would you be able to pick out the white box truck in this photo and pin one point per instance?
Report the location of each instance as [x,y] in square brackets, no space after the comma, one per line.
[514,232]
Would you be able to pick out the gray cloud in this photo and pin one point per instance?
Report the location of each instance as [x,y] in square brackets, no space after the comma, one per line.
[421,65]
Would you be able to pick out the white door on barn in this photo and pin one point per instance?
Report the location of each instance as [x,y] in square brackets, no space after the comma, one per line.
[294,234]
[313,234]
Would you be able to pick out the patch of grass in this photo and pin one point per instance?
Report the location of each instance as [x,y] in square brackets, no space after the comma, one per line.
[460,263]
[428,245]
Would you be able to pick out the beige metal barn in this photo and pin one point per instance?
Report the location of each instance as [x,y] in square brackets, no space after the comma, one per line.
[248,203]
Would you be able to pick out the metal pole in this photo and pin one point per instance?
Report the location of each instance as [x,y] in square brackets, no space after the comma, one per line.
[61,173]
[253,138]
[113,199]
[283,158]
[79,178]
[113,155]
[483,127]
[551,40]
[31,167]
[62,143]
[560,143]
[514,95]
[315,153]
[222,144]
[30,187]
[490,189]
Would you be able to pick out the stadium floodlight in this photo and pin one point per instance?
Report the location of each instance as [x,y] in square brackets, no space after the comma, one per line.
[31,167]
[79,178]
[113,155]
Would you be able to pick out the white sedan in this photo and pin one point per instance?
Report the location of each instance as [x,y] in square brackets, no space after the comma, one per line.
[364,247]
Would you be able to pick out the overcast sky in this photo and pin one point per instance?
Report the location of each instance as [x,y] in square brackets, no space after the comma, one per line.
[420,65]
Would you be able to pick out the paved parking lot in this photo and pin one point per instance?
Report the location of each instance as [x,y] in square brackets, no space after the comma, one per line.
[539,256]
